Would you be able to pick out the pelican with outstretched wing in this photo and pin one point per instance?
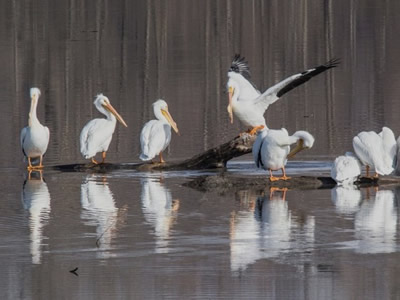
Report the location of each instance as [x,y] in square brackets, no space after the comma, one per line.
[377,151]
[34,137]
[271,149]
[156,134]
[249,104]
[97,134]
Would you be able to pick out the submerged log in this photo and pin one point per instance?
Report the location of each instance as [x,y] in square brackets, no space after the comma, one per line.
[231,183]
[213,158]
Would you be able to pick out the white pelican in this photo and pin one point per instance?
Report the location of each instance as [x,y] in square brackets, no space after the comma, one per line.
[272,149]
[34,137]
[346,169]
[376,151]
[248,104]
[97,134]
[156,134]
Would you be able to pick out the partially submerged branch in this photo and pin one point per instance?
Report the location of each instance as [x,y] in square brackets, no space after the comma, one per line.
[213,158]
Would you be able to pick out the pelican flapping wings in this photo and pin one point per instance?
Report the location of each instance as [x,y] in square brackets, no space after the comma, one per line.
[249,104]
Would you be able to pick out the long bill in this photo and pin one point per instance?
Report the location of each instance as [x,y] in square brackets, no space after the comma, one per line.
[115,113]
[230,110]
[295,150]
[171,121]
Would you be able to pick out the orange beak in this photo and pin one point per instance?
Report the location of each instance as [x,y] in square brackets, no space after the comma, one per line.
[171,121]
[115,113]
[230,109]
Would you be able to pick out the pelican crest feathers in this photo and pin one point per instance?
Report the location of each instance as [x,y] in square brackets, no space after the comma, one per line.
[239,65]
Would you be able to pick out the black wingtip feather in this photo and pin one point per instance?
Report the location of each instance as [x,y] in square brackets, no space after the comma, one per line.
[333,63]
[307,75]
[259,159]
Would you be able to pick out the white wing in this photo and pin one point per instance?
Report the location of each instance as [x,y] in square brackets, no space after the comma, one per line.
[278,90]
[389,145]
[95,136]
[369,149]
[154,138]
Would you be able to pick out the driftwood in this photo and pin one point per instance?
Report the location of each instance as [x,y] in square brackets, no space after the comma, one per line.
[216,157]
[231,183]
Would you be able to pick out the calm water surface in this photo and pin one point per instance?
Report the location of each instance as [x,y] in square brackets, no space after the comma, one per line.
[146,235]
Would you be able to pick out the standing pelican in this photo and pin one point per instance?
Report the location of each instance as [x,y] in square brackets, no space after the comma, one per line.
[97,134]
[376,151]
[34,137]
[272,149]
[346,169]
[156,134]
[248,104]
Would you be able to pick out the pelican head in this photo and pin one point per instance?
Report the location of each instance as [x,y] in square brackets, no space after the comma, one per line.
[35,93]
[160,108]
[104,106]
[304,141]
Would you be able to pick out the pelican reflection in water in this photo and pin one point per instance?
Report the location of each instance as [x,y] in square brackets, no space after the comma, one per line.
[375,218]
[376,224]
[159,210]
[99,210]
[347,198]
[36,199]
[266,228]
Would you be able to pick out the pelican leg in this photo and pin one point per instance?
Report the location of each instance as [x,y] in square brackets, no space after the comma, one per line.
[40,166]
[94,161]
[29,174]
[103,156]
[367,169]
[254,130]
[274,189]
[284,177]
[271,177]
[30,167]
[161,158]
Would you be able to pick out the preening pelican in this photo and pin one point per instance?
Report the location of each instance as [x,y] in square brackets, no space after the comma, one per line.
[248,103]
[34,137]
[97,134]
[272,149]
[346,169]
[156,134]
[376,151]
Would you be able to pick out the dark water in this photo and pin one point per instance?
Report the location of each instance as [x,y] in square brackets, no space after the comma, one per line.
[135,235]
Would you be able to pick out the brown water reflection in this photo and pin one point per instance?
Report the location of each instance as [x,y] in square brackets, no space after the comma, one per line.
[145,236]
